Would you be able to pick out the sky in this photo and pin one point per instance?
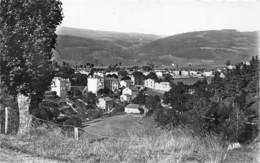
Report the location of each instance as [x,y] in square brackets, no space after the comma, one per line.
[161,17]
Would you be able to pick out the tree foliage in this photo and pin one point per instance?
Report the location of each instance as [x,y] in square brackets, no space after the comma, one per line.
[27,39]
[139,77]
[226,106]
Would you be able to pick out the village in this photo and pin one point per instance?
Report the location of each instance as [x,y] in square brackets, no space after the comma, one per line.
[129,81]
[118,90]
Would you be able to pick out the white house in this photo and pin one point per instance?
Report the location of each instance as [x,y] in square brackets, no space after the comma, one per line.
[127,91]
[193,73]
[149,83]
[61,86]
[230,67]
[207,73]
[125,98]
[184,73]
[133,108]
[159,74]
[95,84]
[123,83]
[105,103]
[162,86]
[222,75]
[99,74]
[176,72]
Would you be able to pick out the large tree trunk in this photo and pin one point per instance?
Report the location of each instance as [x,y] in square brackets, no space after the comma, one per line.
[24,115]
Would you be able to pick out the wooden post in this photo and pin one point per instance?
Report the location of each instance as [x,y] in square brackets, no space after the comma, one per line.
[24,116]
[6,120]
[1,109]
[76,133]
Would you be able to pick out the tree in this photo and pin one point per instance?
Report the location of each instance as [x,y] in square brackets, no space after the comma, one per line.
[65,70]
[152,103]
[177,97]
[139,78]
[79,79]
[152,75]
[226,106]
[105,91]
[27,39]
[167,78]
[122,73]
[91,99]
[140,98]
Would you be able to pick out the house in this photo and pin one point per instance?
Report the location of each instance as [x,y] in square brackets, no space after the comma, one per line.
[127,91]
[193,73]
[230,67]
[95,84]
[133,108]
[208,73]
[125,98]
[112,73]
[222,75]
[105,103]
[98,74]
[176,73]
[125,83]
[184,73]
[61,86]
[146,73]
[111,83]
[162,86]
[132,79]
[159,74]
[149,83]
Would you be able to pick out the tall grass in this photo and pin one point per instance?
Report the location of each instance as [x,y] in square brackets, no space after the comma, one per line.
[139,145]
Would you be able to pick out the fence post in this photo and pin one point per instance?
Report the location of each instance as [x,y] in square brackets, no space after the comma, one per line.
[1,120]
[6,120]
[76,133]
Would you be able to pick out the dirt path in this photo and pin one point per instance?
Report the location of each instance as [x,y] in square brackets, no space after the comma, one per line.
[8,156]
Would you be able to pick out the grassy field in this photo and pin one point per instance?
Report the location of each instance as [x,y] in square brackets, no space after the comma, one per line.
[141,142]
[115,126]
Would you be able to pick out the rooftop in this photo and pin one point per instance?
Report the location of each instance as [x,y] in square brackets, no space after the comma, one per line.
[133,106]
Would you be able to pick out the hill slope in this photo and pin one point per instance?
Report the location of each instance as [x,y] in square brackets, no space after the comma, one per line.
[77,50]
[119,38]
[203,47]
[79,46]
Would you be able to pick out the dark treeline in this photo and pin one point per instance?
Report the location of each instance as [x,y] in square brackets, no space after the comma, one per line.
[225,106]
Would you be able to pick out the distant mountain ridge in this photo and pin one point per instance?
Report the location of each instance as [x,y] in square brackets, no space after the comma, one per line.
[124,39]
[202,47]
[79,46]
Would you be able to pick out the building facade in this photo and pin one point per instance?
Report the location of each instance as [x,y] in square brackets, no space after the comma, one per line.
[111,83]
[95,84]
[61,86]
[149,83]
[105,103]
[162,86]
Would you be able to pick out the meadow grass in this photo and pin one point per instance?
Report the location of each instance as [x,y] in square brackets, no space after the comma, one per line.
[150,145]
